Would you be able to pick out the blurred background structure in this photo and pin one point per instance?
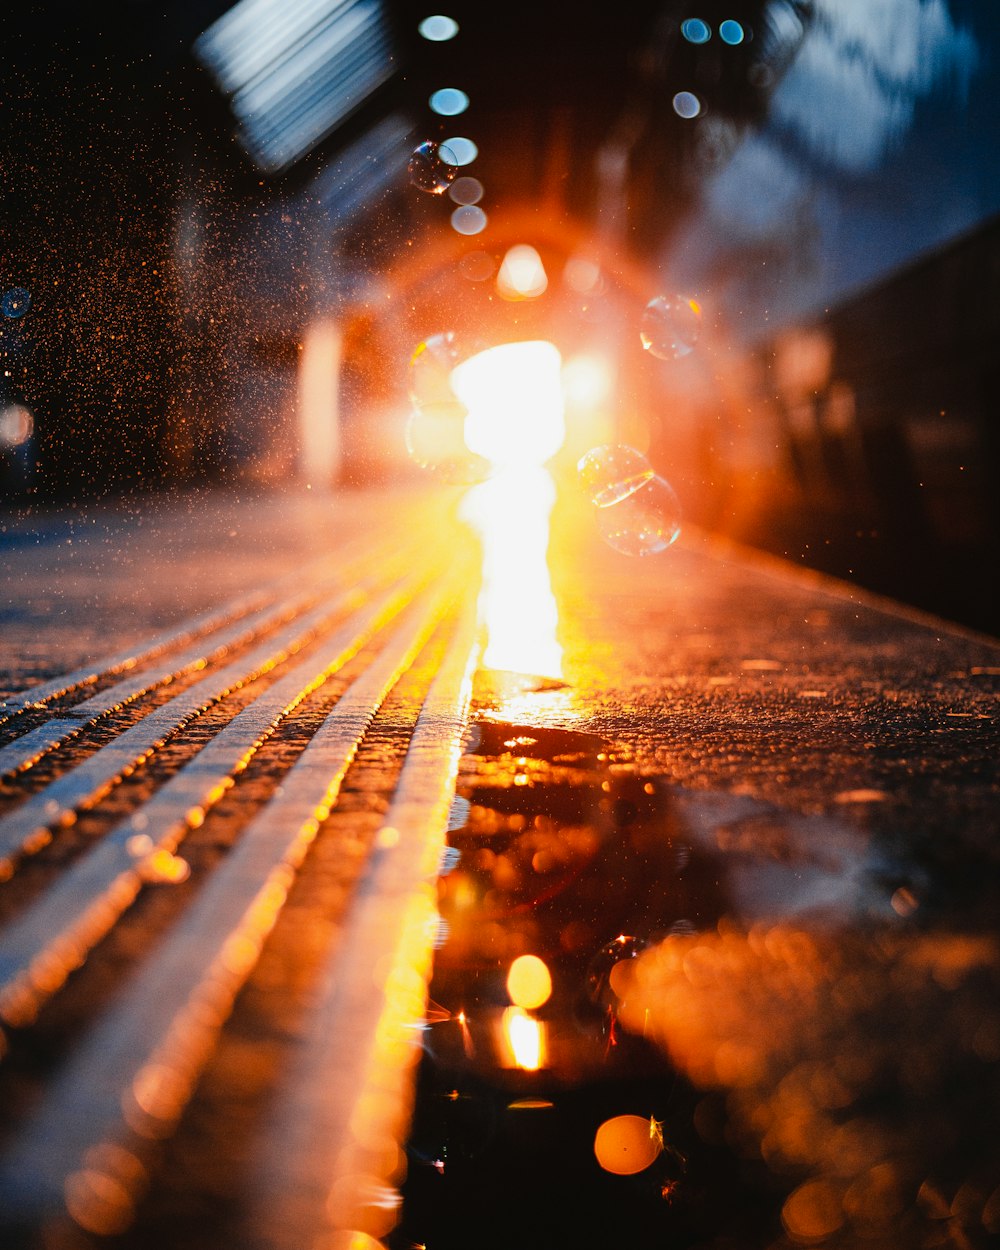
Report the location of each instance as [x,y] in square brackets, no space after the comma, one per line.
[215,265]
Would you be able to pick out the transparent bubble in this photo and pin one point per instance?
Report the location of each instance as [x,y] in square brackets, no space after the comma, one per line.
[466,190]
[429,371]
[438,29]
[731,32]
[695,30]
[645,522]
[15,302]
[670,326]
[468,219]
[435,442]
[449,102]
[477,266]
[432,167]
[602,978]
[459,151]
[612,472]
[686,104]
[435,429]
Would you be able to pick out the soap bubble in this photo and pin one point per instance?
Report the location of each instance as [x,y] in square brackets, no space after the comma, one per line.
[604,983]
[435,430]
[15,302]
[646,521]
[435,442]
[670,326]
[432,167]
[612,472]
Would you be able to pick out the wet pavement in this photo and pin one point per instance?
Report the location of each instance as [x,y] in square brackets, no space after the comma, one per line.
[750,834]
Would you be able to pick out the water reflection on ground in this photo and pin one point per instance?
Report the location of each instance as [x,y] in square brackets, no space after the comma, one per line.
[757,1033]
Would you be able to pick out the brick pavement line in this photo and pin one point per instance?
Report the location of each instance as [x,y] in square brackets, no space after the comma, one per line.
[352,1083]
[30,826]
[129,1082]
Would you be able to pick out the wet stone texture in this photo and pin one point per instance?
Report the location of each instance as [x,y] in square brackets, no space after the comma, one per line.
[751,833]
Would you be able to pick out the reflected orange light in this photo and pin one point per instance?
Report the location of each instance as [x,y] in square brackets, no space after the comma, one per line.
[529,982]
[513,394]
[626,1144]
[522,274]
[524,1040]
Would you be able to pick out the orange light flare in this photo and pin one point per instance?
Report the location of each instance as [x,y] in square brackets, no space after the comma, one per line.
[514,399]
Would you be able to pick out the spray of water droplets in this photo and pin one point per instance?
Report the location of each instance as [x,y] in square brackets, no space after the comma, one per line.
[638,512]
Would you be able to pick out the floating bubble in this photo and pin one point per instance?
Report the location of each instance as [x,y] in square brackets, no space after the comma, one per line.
[611,472]
[645,522]
[466,190]
[459,151]
[731,32]
[15,302]
[435,430]
[468,219]
[449,102]
[670,326]
[604,984]
[686,104]
[438,28]
[477,266]
[432,167]
[695,30]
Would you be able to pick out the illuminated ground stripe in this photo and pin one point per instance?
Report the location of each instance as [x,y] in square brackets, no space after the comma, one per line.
[351,1084]
[43,946]
[130,1079]
[28,827]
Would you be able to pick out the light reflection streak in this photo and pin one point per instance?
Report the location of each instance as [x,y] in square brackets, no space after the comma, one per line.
[513,394]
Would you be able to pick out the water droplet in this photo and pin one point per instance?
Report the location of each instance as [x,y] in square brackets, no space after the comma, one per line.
[612,472]
[670,326]
[731,32]
[438,29]
[449,102]
[686,105]
[15,302]
[432,167]
[466,191]
[695,30]
[468,219]
[645,522]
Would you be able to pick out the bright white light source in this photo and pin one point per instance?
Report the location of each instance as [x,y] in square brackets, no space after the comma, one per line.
[514,398]
[449,102]
[587,381]
[513,395]
[522,274]
[438,29]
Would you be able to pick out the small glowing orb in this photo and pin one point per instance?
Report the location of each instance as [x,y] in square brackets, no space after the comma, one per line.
[468,219]
[459,151]
[695,30]
[524,1038]
[448,102]
[624,1144]
[438,28]
[466,191]
[732,33]
[529,982]
[522,274]
[686,104]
